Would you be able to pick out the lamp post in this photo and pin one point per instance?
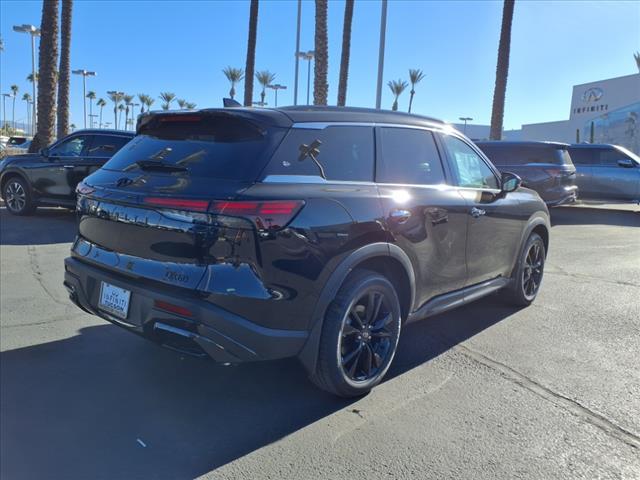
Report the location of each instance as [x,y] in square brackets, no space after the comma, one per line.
[465,120]
[34,32]
[295,88]
[277,87]
[4,108]
[85,74]
[92,116]
[308,56]
[133,115]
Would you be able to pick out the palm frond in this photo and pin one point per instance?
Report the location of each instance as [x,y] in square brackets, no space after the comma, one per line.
[397,86]
[265,77]
[167,97]
[233,74]
[91,95]
[415,75]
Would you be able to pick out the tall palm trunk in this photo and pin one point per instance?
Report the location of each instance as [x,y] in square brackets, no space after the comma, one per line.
[346,50]
[48,59]
[251,54]
[320,86]
[13,112]
[65,68]
[502,70]
[91,112]
[101,107]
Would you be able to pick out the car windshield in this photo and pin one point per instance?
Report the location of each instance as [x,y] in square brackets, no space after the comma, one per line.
[628,153]
[212,146]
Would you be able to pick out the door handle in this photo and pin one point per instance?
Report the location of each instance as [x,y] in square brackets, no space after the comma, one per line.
[68,167]
[477,212]
[400,216]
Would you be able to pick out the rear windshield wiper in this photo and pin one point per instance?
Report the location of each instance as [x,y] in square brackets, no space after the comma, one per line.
[160,165]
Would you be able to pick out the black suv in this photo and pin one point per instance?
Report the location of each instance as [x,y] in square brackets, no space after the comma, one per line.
[545,167]
[255,234]
[50,177]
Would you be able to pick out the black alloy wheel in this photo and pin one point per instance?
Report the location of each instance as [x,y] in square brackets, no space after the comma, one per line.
[17,197]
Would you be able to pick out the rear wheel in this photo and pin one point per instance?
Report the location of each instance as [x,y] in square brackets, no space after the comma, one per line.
[359,335]
[17,197]
[528,275]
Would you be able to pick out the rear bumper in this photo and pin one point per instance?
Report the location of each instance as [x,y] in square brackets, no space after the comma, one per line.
[210,330]
[561,196]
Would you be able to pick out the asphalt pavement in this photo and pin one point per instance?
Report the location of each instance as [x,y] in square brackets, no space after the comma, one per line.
[486,391]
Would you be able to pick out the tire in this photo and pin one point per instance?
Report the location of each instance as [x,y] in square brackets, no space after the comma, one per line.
[529,272]
[359,335]
[17,196]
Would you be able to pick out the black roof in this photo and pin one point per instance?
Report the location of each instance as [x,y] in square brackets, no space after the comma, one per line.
[286,116]
[608,146]
[107,131]
[523,143]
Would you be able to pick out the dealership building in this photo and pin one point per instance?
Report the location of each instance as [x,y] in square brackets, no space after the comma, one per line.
[606,111]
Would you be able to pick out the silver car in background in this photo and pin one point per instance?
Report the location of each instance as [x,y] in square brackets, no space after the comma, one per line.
[606,172]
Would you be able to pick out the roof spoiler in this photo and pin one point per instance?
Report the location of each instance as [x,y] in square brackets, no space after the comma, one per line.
[230,103]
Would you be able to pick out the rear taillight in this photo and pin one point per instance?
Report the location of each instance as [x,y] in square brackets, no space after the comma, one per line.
[84,189]
[178,203]
[171,308]
[267,215]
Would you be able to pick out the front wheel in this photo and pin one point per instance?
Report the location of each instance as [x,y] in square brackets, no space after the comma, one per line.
[359,335]
[528,275]
[17,197]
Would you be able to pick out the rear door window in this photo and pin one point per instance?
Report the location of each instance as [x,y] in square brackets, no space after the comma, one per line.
[583,156]
[220,146]
[105,146]
[344,153]
[408,155]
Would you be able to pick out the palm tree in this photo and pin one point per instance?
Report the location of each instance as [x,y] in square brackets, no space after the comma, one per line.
[91,96]
[251,53]
[121,109]
[141,98]
[415,75]
[346,50]
[47,60]
[149,101]
[182,103]
[320,86]
[30,77]
[101,103]
[397,87]
[116,98]
[127,99]
[27,98]
[191,105]
[502,71]
[167,98]
[72,126]
[265,78]
[14,93]
[234,75]
[65,69]
[637,58]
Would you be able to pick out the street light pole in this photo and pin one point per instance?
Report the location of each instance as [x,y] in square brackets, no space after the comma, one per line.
[277,87]
[383,31]
[465,120]
[308,56]
[34,32]
[84,74]
[295,88]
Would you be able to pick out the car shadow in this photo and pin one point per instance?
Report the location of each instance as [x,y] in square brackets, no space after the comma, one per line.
[594,216]
[105,404]
[45,226]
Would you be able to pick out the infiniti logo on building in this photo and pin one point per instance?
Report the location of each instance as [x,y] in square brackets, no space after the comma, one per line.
[592,94]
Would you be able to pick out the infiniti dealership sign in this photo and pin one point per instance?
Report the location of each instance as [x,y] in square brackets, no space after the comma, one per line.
[591,97]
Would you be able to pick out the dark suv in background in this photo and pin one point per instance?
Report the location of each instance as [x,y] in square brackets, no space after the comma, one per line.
[50,176]
[606,172]
[545,167]
[255,234]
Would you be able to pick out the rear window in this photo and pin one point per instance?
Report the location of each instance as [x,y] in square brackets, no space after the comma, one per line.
[513,155]
[212,146]
[343,152]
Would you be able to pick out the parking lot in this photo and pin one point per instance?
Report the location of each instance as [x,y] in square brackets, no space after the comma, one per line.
[486,391]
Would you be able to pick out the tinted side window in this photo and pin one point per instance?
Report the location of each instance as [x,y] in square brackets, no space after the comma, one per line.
[408,156]
[468,167]
[345,153]
[105,145]
[72,147]
[608,157]
[502,155]
[582,156]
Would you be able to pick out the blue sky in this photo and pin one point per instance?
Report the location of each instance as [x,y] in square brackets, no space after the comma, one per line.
[182,46]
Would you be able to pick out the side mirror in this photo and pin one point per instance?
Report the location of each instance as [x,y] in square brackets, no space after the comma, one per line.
[626,163]
[510,182]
